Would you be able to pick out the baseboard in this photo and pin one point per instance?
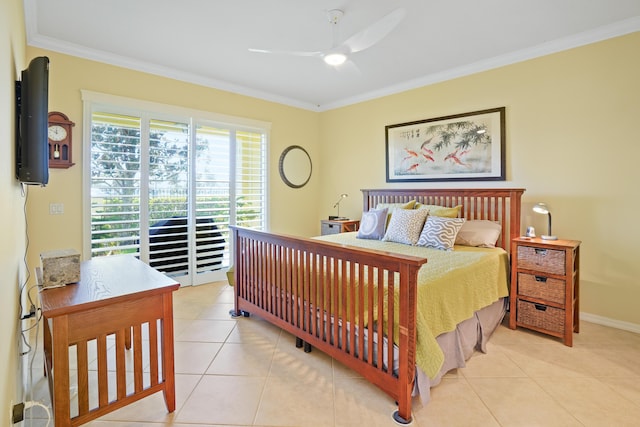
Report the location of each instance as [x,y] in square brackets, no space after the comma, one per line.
[605,321]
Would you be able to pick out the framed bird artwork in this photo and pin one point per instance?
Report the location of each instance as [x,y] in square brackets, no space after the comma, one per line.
[461,147]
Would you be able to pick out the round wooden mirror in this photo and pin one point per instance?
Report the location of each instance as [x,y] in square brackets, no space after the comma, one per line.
[295,166]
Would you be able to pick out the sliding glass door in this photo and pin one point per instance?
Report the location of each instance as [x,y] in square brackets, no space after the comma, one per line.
[167,190]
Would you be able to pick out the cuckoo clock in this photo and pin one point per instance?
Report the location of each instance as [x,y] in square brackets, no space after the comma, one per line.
[60,140]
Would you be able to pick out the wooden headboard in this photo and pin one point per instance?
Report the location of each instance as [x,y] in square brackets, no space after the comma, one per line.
[501,205]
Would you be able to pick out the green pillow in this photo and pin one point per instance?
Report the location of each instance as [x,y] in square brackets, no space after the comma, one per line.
[441,211]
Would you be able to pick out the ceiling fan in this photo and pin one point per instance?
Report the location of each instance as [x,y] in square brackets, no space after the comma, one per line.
[339,52]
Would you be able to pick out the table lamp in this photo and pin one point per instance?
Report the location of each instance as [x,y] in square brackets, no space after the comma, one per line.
[337,205]
[543,209]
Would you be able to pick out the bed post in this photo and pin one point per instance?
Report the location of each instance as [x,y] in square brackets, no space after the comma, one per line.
[235,253]
[514,209]
[407,340]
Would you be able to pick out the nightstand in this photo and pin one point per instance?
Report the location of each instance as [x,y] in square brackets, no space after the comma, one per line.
[545,286]
[334,226]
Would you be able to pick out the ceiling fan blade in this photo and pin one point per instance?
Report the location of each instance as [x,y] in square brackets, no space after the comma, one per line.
[375,32]
[286,52]
[349,67]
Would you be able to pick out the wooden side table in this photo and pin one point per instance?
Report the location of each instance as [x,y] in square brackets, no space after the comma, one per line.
[335,226]
[545,286]
[118,298]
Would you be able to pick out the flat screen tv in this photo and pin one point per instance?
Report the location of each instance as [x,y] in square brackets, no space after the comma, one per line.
[32,116]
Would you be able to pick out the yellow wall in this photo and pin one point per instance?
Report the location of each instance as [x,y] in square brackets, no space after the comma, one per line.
[12,271]
[572,141]
[69,75]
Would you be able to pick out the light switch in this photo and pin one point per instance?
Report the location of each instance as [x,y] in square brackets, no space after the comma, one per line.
[56,208]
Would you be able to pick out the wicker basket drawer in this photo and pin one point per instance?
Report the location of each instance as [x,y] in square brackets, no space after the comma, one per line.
[541,316]
[541,287]
[540,259]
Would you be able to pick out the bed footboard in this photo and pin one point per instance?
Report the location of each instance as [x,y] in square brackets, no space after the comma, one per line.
[337,299]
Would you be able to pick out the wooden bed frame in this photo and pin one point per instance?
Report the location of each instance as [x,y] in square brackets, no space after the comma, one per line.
[308,287]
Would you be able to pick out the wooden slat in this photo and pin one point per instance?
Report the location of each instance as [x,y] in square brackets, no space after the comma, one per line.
[391,316]
[263,268]
[168,367]
[306,294]
[281,286]
[153,351]
[137,359]
[380,328]
[370,305]
[103,380]
[351,311]
[296,284]
[361,312]
[121,368]
[342,309]
[334,312]
[324,296]
[313,295]
[60,397]
[83,377]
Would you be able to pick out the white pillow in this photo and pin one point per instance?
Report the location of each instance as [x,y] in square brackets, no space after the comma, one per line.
[405,226]
[479,232]
[440,232]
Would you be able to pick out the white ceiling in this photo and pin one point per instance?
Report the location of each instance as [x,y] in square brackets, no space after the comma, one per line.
[207,41]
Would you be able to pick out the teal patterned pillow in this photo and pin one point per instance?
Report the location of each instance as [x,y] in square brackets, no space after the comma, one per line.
[405,226]
[440,232]
[372,224]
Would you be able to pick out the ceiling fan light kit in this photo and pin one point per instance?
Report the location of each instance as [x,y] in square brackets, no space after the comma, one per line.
[335,59]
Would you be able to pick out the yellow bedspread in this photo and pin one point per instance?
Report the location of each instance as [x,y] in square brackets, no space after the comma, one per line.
[452,285]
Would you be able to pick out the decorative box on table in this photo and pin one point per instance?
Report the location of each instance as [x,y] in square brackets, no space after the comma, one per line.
[59,267]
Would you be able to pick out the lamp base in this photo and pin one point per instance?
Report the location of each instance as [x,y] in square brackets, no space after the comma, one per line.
[549,237]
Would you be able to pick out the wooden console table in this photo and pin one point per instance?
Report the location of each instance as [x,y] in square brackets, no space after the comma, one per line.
[117,301]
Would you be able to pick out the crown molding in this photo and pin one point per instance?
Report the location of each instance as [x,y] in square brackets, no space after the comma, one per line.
[617,29]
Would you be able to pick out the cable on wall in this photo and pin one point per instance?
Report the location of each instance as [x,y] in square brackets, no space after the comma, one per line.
[34,312]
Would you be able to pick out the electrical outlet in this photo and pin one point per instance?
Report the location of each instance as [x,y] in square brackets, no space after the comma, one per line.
[17,413]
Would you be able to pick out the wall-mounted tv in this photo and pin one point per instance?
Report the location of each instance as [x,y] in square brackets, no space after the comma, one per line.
[32,116]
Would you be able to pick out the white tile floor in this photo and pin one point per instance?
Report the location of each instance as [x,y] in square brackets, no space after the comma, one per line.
[245,372]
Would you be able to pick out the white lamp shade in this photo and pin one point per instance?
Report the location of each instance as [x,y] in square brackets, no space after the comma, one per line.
[543,209]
